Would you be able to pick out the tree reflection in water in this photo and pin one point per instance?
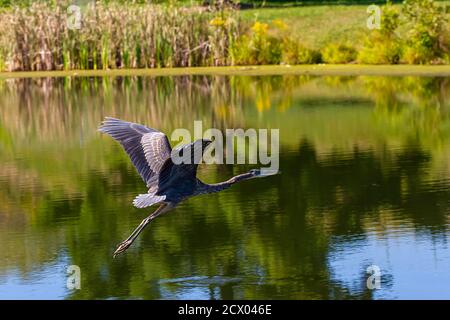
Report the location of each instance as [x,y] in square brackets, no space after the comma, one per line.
[365,179]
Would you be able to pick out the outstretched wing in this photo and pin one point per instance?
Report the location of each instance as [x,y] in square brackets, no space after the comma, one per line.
[147,148]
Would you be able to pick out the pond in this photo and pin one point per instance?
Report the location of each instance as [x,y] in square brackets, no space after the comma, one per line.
[364,185]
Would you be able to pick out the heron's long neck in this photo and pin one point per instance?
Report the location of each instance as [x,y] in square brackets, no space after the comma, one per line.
[216,187]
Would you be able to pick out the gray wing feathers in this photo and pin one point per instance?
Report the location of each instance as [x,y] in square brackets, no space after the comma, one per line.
[148,150]
[129,135]
[146,200]
[156,149]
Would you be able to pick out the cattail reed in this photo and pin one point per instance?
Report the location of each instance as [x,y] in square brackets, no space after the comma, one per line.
[113,36]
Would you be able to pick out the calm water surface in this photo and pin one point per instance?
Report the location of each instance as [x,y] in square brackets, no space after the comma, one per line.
[365,181]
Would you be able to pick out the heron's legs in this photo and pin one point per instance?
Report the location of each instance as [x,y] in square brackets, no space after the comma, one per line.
[124,245]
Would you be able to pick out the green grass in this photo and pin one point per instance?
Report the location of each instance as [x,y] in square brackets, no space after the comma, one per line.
[318,25]
[344,70]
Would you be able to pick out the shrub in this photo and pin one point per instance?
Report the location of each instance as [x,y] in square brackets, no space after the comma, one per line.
[338,53]
[383,46]
[295,53]
[258,48]
[380,52]
[426,40]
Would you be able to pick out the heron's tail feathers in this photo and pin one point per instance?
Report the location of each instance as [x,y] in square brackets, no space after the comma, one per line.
[146,200]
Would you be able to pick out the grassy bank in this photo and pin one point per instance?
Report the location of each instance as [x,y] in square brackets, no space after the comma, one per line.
[116,36]
[319,70]
[316,26]
[319,24]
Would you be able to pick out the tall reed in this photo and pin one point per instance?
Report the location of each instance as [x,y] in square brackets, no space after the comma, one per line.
[114,36]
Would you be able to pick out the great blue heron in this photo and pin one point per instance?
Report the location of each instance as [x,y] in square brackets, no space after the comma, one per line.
[168,183]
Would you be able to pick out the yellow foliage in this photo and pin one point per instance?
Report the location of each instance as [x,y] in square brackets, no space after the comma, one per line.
[260,28]
[280,24]
[217,21]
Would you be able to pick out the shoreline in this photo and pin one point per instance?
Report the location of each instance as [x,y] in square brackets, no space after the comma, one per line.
[316,70]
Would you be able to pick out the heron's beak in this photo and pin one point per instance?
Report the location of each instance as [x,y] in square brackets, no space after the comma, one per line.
[263,172]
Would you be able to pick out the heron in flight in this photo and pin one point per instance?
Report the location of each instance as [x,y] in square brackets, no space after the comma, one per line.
[168,183]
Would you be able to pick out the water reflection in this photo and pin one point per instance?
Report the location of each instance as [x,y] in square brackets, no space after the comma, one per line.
[365,180]
[415,265]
